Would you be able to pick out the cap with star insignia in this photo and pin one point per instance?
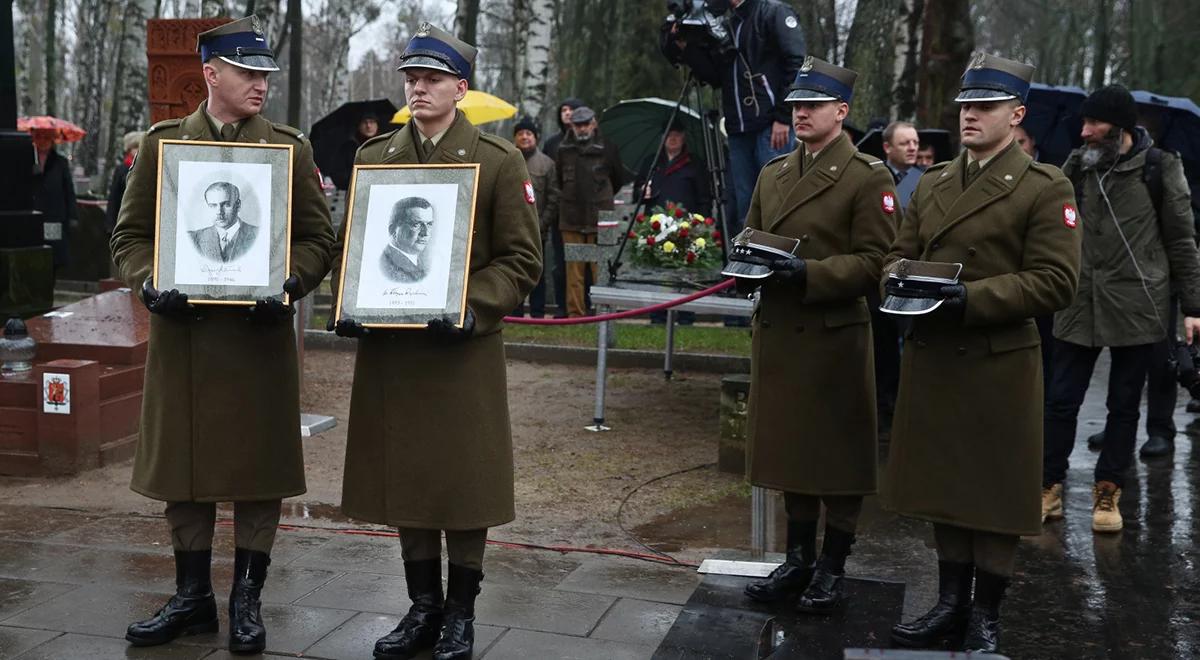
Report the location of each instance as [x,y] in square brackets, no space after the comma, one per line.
[434,48]
[240,43]
[755,252]
[819,80]
[915,287]
[991,78]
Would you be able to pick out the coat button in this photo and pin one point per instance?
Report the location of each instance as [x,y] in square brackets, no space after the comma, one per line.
[962,350]
[970,251]
[804,238]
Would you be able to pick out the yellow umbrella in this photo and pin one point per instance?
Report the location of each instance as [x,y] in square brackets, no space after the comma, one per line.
[479,107]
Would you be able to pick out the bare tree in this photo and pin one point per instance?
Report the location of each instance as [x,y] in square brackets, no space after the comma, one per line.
[946,48]
[871,51]
[537,81]
[908,57]
[819,21]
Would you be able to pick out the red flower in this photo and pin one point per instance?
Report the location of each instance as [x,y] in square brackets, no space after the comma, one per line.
[691,256]
[632,234]
[683,233]
[655,226]
[641,217]
[716,234]
[678,213]
[649,240]
[670,206]
[720,242]
[710,222]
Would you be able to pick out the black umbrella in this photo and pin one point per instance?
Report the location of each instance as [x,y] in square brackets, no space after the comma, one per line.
[1174,122]
[338,128]
[872,143]
[1052,120]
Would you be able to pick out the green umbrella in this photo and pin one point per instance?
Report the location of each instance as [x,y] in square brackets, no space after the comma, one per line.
[636,126]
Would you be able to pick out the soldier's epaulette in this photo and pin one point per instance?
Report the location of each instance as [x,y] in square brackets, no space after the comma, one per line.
[382,137]
[164,124]
[497,141]
[779,157]
[1046,170]
[868,159]
[289,131]
[937,166]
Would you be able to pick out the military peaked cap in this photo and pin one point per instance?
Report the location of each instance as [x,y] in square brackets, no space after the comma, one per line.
[434,48]
[915,287]
[819,80]
[240,43]
[991,78]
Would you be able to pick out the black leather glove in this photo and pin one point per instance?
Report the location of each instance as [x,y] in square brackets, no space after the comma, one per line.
[348,328]
[446,329]
[954,300]
[268,311]
[167,303]
[792,271]
[746,286]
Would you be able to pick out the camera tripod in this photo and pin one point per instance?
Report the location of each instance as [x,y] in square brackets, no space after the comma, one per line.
[714,160]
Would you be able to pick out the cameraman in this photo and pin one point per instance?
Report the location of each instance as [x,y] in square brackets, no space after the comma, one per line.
[753,74]
[1138,241]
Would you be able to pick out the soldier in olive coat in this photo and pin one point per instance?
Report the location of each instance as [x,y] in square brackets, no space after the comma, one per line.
[971,464]
[221,411]
[429,445]
[812,392]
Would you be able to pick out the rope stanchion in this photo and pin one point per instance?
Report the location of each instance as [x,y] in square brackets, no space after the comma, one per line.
[520,320]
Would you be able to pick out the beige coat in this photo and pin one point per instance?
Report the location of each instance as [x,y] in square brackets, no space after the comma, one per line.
[221,410]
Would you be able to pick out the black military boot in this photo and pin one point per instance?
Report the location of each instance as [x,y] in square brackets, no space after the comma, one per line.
[246,631]
[824,592]
[1158,445]
[192,610]
[791,577]
[948,618]
[1096,440]
[418,630]
[457,638]
[983,628]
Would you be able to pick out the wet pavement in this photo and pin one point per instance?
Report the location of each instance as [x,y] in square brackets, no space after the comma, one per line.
[71,580]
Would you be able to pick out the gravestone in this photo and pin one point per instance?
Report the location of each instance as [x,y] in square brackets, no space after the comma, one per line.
[176,84]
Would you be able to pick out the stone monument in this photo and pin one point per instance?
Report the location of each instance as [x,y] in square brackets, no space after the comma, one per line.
[176,85]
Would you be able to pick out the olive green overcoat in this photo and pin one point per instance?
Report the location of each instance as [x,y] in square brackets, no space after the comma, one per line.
[221,407]
[812,389]
[967,433]
[429,443]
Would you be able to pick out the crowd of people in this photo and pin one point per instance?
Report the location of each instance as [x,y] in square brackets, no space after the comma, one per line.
[1052,266]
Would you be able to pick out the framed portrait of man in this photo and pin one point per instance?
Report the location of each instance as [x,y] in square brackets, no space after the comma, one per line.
[408,244]
[223,226]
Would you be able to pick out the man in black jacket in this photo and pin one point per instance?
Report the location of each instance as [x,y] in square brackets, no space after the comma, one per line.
[768,49]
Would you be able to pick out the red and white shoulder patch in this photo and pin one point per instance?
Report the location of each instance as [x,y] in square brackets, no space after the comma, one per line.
[1070,216]
[529,192]
[888,202]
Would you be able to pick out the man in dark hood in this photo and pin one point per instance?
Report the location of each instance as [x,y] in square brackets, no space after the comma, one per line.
[569,104]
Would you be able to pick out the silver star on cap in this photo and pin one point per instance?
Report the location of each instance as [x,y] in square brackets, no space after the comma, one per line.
[808,64]
[423,30]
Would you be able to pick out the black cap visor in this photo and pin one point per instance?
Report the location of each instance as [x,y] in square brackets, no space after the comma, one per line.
[980,95]
[914,295]
[252,62]
[425,62]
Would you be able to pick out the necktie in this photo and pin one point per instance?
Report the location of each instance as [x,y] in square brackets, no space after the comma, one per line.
[227,132]
[808,161]
[972,171]
[427,147]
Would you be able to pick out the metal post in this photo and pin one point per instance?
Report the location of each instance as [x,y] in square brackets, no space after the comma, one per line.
[310,424]
[667,371]
[758,519]
[601,376]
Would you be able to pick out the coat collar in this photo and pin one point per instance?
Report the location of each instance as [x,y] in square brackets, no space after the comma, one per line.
[456,146]
[196,126]
[801,187]
[997,180]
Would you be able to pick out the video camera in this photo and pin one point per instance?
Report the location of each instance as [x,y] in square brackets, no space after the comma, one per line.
[701,22]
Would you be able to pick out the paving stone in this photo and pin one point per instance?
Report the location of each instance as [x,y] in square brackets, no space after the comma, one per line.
[526,567]
[19,595]
[105,648]
[102,610]
[290,628]
[33,561]
[356,638]
[355,554]
[547,610]
[22,523]
[15,641]
[369,592]
[138,533]
[525,644]
[627,578]
[637,622]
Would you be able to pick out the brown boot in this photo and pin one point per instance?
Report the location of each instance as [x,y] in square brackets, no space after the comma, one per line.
[1052,504]
[1106,517]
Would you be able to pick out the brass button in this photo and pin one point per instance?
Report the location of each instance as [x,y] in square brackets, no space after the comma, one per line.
[971,251]
[804,238]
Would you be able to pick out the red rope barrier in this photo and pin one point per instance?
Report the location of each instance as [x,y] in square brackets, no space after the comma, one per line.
[626,314]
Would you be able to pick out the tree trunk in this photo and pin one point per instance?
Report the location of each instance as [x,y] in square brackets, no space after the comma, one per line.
[908,57]
[870,50]
[948,40]
[466,24]
[51,43]
[295,61]
[1101,43]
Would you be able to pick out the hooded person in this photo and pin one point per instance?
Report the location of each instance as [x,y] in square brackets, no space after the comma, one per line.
[565,109]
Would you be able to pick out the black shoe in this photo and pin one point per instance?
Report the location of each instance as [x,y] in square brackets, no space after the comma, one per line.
[824,593]
[1193,406]
[246,631]
[192,610]
[457,638]
[419,629]
[948,618]
[790,578]
[983,628]
[1157,446]
[1096,441]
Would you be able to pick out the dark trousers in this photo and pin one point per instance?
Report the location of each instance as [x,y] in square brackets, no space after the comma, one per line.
[1045,326]
[553,266]
[886,336]
[994,553]
[463,547]
[1162,390]
[1073,366]
[841,511]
